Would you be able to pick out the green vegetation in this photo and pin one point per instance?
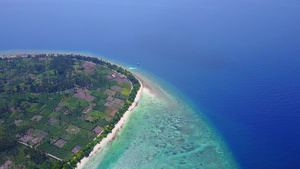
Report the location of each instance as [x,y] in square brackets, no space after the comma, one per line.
[96,114]
[125,92]
[126,85]
[58,104]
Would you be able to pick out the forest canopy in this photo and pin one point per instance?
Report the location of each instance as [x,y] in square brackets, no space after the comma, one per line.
[58,104]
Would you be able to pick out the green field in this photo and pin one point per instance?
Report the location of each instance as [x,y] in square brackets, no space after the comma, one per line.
[53,103]
[96,114]
[125,92]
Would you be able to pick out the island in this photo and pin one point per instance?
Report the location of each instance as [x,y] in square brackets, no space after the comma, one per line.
[55,108]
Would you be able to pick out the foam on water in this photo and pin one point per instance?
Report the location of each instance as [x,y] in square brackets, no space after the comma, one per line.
[163,131]
[132,68]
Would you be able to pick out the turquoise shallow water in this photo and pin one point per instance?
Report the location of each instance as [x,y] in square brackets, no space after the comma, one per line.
[237,60]
[163,131]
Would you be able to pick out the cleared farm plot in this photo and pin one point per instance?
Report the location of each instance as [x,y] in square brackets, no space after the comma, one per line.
[125,92]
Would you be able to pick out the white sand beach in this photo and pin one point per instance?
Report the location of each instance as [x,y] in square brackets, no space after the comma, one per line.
[115,130]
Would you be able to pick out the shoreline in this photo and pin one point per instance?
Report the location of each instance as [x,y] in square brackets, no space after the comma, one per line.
[120,123]
[146,85]
[115,130]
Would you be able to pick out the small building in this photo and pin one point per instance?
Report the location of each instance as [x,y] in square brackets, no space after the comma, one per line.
[110,98]
[76,149]
[52,121]
[28,132]
[39,138]
[98,130]
[36,118]
[87,109]
[26,138]
[122,76]
[60,143]
[57,109]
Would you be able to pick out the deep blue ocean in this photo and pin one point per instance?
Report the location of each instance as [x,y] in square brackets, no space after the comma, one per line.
[237,61]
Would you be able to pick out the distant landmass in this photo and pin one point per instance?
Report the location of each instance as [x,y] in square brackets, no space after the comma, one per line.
[55,108]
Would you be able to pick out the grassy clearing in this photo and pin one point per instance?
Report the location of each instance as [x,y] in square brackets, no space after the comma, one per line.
[125,92]
[96,114]
[54,150]
[54,114]
[126,85]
